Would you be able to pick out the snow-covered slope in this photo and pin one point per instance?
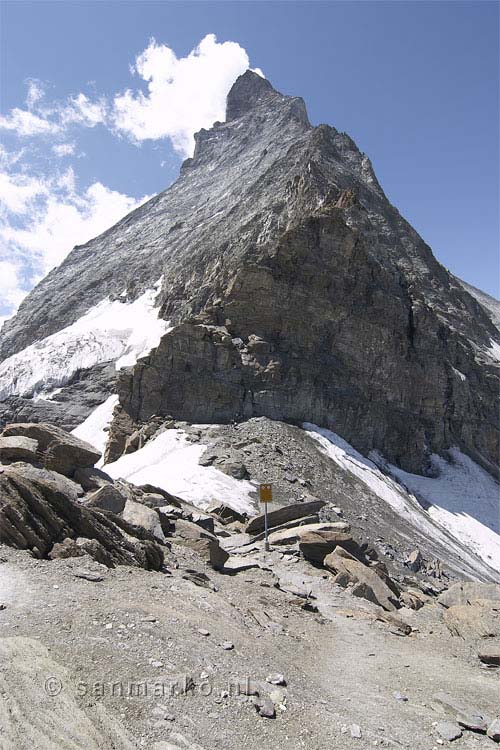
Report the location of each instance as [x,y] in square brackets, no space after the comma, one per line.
[170,461]
[113,330]
[458,507]
[94,429]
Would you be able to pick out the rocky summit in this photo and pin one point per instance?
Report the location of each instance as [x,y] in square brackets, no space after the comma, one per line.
[269,318]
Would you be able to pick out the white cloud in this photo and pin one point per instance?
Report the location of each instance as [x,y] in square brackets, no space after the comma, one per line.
[64,149]
[184,94]
[26,123]
[36,91]
[80,110]
[40,222]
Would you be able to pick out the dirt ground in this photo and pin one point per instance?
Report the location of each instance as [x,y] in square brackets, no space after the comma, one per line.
[93,645]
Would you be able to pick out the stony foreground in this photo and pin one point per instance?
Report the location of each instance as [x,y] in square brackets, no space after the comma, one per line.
[131,619]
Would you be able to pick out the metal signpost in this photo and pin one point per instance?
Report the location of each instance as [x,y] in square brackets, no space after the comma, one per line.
[266,496]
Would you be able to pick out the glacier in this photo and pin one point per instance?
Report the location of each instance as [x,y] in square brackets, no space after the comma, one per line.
[112,330]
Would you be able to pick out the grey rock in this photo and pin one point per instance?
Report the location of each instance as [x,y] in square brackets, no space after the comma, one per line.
[369,583]
[465,592]
[276,678]
[88,575]
[107,497]
[448,730]
[38,510]
[414,561]
[489,653]
[493,730]
[465,713]
[18,449]
[91,478]
[400,696]
[284,515]
[355,731]
[203,542]
[293,534]
[227,645]
[58,450]
[265,707]
[148,518]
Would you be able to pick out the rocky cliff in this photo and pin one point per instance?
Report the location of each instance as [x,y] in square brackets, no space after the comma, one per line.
[294,290]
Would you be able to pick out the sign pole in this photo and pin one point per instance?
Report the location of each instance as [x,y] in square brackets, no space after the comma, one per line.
[266,496]
[266,544]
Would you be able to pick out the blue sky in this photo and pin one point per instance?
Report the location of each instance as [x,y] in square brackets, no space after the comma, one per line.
[414,83]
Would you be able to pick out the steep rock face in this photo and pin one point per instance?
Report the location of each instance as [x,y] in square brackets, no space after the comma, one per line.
[296,291]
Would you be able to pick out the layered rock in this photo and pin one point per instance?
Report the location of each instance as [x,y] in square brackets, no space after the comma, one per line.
[39,512]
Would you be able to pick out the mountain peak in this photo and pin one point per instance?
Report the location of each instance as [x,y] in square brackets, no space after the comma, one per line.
[246,92]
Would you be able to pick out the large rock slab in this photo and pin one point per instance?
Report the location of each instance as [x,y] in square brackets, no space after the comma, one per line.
[202,541]
[284,514]
[316,545]
[297,533]
[464,592]
[40,707]
[369,584]
[18,448]
[58,450]
[480,619]
[38,510]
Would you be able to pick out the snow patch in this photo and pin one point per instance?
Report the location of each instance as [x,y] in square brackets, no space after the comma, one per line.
[94,429]
[110,331]
[493,351]
[170,461]
[463,499]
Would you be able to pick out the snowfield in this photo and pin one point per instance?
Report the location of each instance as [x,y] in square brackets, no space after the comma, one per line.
[170,461]
[461,504]
[458,507]
[95,428]
[110,331]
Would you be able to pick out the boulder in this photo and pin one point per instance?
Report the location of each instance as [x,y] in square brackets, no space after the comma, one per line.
[67,548]
[58,450]
[369,584]
[480,619]
[448,730]
[414,560]
[18,448]
[464,592]
[297,533]
[225,514]
[107,497]
[316,545]
[91,478]
[38,510]
[465,713]
[203,542]
[284,514]
[140,515]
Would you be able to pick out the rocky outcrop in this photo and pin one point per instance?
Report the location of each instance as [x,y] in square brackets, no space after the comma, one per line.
[39,510]
[57,449]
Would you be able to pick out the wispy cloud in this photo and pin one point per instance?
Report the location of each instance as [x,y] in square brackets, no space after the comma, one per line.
[41,220]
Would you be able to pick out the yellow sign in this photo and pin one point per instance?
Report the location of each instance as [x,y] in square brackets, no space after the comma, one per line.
[266,493]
